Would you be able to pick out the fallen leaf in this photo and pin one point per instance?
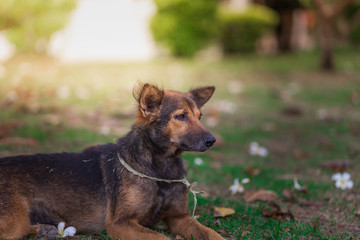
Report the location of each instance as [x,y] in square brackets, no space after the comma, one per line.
[277,213]
[225,232]
[298,154]
[253,171]
[260,195]
[293,111]
[337,165]
[223,212]
[287,229]
[178,237]
[325,143]
[315,226]
[289,195]
[245,233]
[19,141]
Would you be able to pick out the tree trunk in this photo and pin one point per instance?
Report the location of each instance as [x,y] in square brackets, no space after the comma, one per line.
[326,18]
[326,42]
[284,30]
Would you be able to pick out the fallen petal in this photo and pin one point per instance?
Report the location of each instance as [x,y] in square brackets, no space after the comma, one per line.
[236,181]
[336,176]
[346,176]
[349,184]
[245,180]
[61,226]
[69,231]
[297,186]
[263,152]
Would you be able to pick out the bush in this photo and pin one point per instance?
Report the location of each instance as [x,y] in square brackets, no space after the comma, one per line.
[350,16]
[184,26]
[239,31]
[28,22]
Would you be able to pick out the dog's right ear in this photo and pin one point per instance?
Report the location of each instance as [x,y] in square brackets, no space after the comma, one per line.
[149,98]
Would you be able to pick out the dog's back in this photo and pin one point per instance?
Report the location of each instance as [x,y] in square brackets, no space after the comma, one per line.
[52,187]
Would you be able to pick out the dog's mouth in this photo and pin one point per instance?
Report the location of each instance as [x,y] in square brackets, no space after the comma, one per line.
[200,146]
[184,147]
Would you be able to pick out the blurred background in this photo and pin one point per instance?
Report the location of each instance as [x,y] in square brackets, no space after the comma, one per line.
[287,75]
[140,30]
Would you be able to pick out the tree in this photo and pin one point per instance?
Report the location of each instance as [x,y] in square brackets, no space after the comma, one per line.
[184,26]
[285,9]
[28,21]
[327,14]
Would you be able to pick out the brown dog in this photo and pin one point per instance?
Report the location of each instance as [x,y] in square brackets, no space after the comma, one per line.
[93,191]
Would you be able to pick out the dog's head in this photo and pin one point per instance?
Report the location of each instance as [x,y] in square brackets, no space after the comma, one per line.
[172,118]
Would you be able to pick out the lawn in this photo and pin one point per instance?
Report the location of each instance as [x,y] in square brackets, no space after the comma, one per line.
[308,121]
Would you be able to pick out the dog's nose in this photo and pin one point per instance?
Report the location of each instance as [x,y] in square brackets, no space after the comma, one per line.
[209,140]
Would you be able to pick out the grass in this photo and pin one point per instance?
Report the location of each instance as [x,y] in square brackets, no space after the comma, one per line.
[303,117]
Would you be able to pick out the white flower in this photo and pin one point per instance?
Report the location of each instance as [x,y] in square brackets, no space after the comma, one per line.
[256,150]
[237,187]
[297,186]
[343,180]
[198,161]
[69,231]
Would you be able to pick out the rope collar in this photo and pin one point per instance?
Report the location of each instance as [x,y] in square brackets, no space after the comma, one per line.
[183,181]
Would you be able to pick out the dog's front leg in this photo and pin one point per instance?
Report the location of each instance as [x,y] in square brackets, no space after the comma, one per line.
[189,228]
[131,230]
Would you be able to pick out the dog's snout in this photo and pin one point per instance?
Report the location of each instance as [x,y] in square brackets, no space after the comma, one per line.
[209,140]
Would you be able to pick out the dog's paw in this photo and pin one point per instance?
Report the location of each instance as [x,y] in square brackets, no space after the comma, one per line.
[49,232]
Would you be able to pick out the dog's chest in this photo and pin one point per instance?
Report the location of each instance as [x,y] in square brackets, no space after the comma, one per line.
[164,197]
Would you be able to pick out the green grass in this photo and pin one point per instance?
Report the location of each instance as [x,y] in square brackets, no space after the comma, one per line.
[297,143]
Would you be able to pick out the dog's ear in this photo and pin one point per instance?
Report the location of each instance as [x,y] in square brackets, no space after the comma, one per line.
[149,98]
[201,95]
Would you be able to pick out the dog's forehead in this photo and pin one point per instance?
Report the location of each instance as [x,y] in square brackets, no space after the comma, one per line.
[179,100]
[175,93]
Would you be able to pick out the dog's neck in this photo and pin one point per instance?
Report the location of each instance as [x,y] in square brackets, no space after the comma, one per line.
[145,154]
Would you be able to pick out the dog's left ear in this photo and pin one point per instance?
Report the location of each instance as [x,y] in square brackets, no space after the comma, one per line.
[149,98]
[201,95]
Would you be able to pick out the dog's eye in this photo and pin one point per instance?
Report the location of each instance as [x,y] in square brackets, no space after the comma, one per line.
[200,116]
[181,117]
